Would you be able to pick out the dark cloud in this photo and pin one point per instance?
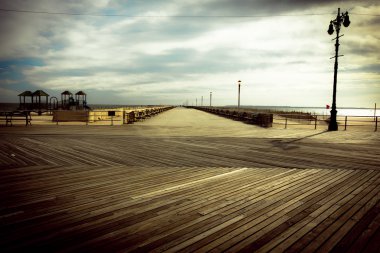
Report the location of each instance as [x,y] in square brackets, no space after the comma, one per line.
[366,48]
[257,7]
[374,21]
[49,6]
[190,61]
[136,7]
[31,35]
[368,68]
[179,29]
[364,21]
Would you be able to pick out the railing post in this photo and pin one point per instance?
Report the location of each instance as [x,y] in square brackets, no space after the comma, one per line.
[345,124]
[376,124]
[286,122]
[315,126]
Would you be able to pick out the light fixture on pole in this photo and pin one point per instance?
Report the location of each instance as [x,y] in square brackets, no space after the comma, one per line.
[340,18]
[239,94]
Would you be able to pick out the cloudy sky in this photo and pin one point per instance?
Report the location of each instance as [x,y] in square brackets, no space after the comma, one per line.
[170,52]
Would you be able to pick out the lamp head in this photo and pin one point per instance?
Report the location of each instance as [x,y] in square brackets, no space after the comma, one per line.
[346,21]
[331,28]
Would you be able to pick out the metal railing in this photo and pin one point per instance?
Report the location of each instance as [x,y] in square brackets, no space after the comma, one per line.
[104,116]
[318,121]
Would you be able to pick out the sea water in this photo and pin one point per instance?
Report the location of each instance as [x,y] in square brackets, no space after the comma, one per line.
[319,110]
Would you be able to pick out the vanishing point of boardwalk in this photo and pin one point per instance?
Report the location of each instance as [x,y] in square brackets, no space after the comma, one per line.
[188,181]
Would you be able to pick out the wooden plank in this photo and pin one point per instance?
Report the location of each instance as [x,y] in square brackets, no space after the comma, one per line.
[328,206]
[267,228]
[71,188]
[254,210]
[338,218]
[296,231]
[372,199]
[298,208]
[203,235]
[359,235]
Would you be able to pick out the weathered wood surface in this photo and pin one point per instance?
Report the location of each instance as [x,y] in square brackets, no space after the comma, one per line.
[188,181]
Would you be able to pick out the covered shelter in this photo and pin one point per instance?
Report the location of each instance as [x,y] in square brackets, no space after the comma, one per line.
[26,100]
[38,103]
[66,99]
[80,99]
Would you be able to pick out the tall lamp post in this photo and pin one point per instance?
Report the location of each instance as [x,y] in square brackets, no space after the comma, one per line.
[340,18]
[239,94]
[210,98]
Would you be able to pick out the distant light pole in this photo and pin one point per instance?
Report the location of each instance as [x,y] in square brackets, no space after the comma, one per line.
[340,18]
[210,98]
[239,94]
[202,101]
[374,114]
[196,102]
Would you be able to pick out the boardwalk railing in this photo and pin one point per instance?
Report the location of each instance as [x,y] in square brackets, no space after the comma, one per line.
[293,119]
[108,116]
[317,121]
[260,119]
[125,115]
[122,116]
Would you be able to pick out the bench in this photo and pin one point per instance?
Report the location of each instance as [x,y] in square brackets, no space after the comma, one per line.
[10,117]
[70,116]
[139,115]
[129,117]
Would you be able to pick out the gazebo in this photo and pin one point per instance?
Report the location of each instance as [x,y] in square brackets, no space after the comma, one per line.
[24,104]
[37,103]
[80,99]
[66,99]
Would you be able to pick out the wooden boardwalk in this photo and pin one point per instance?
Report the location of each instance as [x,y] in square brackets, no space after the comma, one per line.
[188,181]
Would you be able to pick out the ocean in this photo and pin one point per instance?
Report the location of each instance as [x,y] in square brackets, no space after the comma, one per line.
[313,110]
[320,110]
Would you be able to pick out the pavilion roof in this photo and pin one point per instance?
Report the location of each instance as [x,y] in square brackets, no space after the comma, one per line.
[26,93]
[80,93]
[40,93]
[66,92]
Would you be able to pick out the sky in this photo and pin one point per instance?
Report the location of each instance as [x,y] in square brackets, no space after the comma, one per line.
[164,52]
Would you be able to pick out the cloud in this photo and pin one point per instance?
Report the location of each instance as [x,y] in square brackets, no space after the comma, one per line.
[8,82]
[143,56]
[8,95]
[29,35]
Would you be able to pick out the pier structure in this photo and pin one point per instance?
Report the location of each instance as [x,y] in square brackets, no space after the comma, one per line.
[188,181]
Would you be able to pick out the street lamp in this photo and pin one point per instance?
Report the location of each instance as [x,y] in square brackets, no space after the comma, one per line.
[340,18]
[239,94]
[210,98]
